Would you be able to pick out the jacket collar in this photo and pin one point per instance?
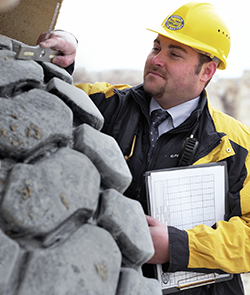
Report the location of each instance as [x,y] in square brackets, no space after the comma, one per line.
[210,139]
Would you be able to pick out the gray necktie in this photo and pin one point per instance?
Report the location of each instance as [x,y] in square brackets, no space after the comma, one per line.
[157,117]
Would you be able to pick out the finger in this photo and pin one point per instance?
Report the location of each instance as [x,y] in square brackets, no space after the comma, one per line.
[60,45]
[63,61]
[151,221]
[50,43]
[41,38]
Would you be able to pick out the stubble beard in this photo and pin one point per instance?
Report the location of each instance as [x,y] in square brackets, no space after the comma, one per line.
[156,91]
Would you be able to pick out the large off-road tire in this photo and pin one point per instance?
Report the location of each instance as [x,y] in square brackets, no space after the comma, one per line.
[65,226]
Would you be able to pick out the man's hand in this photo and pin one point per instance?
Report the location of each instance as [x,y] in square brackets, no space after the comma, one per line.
[62,41]
[159,234]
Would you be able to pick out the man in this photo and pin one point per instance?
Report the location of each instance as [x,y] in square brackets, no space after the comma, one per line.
[191,43]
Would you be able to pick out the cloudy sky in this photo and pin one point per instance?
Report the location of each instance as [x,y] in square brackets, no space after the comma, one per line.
[112,33]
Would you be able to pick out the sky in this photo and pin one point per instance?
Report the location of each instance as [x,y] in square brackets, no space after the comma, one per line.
[112,34]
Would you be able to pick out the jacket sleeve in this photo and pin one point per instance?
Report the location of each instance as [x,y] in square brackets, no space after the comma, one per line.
[104,97]
[100,87]
[226,247]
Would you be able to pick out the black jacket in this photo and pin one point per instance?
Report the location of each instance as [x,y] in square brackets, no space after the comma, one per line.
[221,138]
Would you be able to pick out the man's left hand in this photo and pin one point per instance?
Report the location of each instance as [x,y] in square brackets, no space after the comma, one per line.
[159,234]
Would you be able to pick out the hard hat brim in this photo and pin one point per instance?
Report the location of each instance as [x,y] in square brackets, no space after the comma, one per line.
[188,41]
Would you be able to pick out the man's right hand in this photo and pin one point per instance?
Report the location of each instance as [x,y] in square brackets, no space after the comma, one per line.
[63,41]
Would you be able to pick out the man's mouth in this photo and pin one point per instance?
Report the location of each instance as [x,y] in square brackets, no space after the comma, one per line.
[155,74]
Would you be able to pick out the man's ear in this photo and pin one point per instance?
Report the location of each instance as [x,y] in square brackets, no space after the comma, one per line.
[208,70]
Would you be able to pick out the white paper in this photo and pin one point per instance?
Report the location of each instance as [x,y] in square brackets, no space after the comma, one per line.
[184,198]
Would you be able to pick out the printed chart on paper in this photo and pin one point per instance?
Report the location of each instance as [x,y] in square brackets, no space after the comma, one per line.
[186,201]
[184,198]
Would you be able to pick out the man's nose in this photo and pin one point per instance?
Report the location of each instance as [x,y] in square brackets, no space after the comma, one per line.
[158,60]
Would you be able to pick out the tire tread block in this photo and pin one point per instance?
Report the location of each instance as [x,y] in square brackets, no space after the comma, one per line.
[40,197]
[33,120]
[125,220]
[82,106]
[87,263]
[105,153]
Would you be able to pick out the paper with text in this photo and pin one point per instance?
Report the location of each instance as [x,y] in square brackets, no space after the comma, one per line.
[183,198]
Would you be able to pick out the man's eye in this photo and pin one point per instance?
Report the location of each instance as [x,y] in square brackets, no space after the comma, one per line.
[175,54]
[155,49]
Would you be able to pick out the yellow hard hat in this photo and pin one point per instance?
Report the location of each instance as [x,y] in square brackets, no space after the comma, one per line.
[199,26]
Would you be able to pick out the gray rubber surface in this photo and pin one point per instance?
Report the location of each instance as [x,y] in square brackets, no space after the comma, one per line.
[65,226]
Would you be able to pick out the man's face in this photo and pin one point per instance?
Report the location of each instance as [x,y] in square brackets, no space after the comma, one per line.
[169,73]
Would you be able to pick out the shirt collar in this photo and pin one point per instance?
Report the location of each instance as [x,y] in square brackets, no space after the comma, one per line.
[178,113]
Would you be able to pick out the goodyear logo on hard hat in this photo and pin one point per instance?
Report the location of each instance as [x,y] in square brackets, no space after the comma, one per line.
[174,22]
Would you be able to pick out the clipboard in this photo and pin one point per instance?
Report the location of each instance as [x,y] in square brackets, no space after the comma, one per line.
[185,197]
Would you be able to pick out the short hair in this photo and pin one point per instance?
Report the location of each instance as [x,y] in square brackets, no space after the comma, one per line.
[202,59]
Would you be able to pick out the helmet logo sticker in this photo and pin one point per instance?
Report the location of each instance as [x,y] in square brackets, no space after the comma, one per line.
[174,22]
